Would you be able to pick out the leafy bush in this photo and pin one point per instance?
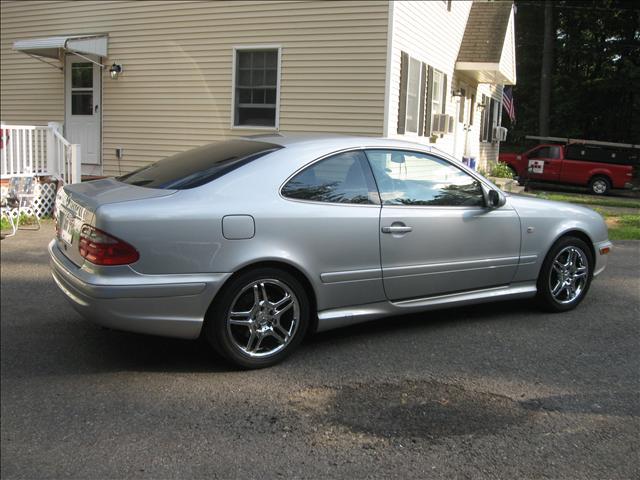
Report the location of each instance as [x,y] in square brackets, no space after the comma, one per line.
[501,170]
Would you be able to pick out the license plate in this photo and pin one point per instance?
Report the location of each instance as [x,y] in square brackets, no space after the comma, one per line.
[65,230]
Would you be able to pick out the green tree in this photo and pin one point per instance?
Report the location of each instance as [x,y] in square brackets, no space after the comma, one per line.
[595,71]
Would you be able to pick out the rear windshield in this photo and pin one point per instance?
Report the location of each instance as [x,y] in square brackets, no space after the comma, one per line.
[198,166]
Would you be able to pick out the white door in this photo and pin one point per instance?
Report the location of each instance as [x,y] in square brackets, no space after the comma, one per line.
[82,108]
[460,147]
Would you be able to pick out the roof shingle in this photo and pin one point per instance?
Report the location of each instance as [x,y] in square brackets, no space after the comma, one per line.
[485,32]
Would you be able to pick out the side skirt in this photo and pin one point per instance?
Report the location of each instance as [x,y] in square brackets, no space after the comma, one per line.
[342,317]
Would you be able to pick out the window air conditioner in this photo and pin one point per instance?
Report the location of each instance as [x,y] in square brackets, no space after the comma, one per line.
[500,134]
[440,123]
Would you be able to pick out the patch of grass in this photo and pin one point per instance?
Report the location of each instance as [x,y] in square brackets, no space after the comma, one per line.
[624,227]
[24,220]
[590,199]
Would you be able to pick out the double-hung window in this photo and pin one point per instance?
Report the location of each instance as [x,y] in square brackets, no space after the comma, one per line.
[422,95]
[413,95]
[436,91]
[256,87]
[490,118]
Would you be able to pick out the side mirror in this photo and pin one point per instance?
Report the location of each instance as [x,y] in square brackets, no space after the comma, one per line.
[494,199]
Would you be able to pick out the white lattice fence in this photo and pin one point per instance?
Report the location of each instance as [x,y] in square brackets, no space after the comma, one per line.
[45,197]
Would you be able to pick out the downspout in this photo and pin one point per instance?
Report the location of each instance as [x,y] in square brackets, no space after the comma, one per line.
[386,130]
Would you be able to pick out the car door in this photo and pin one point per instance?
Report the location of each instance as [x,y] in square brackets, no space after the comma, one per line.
[331,223]
[544,163]
[436,235]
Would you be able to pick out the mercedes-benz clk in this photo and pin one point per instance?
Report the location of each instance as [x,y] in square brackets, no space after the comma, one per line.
[255,243]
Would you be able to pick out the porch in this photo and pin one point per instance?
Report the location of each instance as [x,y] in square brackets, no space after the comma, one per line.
[41,152]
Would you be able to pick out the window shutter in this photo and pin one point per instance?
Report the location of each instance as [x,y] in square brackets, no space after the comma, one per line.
[444,94]
[483,120]
[428,93]
[492,120]
[423,84]
[472,109]
[402,102]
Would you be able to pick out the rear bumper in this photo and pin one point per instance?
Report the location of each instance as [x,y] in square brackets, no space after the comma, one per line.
[167,305]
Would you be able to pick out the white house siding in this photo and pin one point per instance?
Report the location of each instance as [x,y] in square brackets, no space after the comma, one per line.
[508,57]
[176,90]
[487,151]
[427,31]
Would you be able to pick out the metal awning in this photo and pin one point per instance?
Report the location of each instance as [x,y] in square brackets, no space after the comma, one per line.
[56,47]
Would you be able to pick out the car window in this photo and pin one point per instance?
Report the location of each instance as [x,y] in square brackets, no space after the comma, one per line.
[198,166]
[411,178]
[342,178]
[545,152]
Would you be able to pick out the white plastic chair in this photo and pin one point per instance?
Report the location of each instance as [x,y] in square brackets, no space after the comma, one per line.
[20,200]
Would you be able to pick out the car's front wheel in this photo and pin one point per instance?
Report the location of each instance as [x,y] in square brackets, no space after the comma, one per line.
[259,318]
[566,275]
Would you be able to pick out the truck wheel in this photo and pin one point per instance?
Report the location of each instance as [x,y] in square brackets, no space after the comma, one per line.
[600,185]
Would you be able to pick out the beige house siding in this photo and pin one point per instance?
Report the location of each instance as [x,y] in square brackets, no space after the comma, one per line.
[176,90]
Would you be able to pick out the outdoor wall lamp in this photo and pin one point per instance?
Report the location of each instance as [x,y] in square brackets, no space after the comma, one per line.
[458,93]
[115,70]
[481,106]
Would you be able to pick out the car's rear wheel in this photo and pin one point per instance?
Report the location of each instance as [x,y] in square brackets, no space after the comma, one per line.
[259,318]
[566,275]
[600,185]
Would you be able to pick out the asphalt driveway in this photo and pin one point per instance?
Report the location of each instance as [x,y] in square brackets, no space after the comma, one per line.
[496,391]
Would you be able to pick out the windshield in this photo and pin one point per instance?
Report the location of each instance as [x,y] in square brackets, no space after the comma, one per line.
[198,166]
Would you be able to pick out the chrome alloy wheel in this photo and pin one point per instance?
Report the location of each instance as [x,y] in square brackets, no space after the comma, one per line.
[569,274]
[263,318]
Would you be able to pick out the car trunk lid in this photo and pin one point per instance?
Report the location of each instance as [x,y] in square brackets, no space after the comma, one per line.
[77,205]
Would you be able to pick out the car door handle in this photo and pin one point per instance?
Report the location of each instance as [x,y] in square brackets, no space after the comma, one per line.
[397,229]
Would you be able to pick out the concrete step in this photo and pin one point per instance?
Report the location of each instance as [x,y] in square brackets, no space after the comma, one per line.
[507,185]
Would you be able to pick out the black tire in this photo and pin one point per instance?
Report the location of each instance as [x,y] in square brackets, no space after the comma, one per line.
[514,173]
[549,275]
[225,338]
[599,185]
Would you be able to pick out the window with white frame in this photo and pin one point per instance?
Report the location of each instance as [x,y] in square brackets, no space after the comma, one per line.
[422,95]
[256,87]
[413,95]
[436,91]
[490,118]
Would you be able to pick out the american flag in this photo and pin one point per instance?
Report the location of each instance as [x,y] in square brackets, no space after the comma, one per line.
[507,103]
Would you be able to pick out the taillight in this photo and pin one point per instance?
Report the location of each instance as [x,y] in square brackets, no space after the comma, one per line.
[101,248]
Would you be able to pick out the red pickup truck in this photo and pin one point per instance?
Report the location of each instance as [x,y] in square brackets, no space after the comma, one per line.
[599,168]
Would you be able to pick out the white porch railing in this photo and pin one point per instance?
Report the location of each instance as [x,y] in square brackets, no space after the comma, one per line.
[28,150]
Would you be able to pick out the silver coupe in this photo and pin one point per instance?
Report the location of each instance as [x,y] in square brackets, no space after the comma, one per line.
[254,243]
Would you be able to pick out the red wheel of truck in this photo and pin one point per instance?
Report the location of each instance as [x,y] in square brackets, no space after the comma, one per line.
[600,185]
